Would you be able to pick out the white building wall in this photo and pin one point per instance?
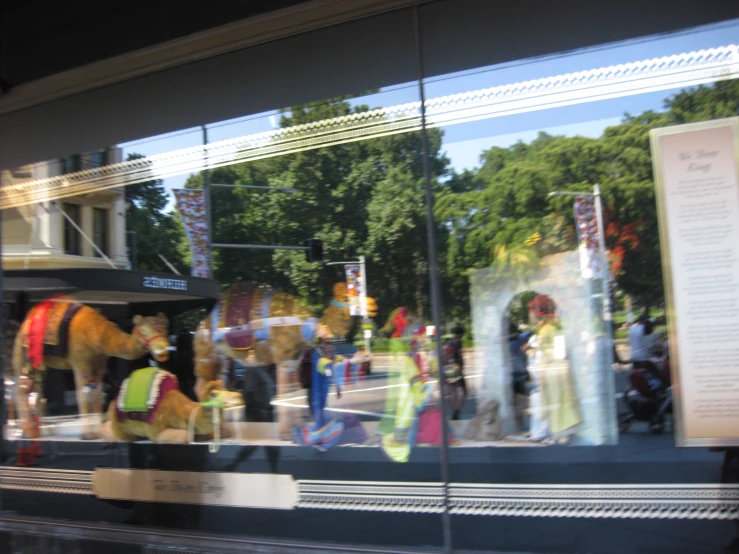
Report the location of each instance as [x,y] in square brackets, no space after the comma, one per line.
[46,230]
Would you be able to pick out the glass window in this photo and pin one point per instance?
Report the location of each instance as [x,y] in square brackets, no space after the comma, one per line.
[98,159]
[552,386]
[100,230]
[70,164]
[331,358]
[553,280]
[72,237]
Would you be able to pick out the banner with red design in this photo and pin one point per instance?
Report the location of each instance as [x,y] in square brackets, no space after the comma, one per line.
[355,287]
[586,223]
[191,205]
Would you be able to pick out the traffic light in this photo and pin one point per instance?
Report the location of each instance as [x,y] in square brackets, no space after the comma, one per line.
[371,307]
[315,250]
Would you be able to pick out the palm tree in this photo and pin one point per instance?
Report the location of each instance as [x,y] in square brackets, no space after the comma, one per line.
[515,261]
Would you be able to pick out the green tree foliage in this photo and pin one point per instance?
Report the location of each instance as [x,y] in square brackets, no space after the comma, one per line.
[504,203]
[367,198]
[157,231]
[362,198]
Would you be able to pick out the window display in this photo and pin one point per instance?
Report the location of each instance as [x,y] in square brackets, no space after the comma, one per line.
[63,334]
[275,329]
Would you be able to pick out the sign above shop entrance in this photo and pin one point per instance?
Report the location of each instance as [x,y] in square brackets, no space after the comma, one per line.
[151,282]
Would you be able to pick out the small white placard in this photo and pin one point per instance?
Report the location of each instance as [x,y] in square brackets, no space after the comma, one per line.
[560,347]
[243,490]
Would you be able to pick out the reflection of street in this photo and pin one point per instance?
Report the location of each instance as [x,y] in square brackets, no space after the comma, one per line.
[367,399]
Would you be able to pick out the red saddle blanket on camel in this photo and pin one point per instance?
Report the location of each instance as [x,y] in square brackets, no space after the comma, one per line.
[48,329]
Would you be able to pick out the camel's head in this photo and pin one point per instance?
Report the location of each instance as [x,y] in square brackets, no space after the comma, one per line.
[341,295]
[338,315]
[152,332]
[215,391]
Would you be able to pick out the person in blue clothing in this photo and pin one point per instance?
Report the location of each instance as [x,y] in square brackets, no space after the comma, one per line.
[517,341]
[326,430]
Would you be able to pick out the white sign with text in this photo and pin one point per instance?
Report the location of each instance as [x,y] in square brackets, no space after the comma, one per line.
[243,490]
[696,169]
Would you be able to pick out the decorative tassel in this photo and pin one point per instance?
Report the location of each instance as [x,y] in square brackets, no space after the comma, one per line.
[122,396]
[155,385]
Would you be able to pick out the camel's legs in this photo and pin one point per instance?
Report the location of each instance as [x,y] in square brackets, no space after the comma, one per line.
[172,436]
[89,400]
[287,382]
[24,386]
[107,433]
[25,389]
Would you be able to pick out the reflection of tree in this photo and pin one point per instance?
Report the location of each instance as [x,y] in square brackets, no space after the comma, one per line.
[505,201]
[519,307]
[366,197]
[157,231]
[516,262]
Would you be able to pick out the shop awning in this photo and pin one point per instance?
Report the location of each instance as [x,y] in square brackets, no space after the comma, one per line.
[143,291]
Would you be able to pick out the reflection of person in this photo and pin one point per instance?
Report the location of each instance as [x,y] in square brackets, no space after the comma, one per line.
[259,390]
[184,364]
[325,431]
[637,341]
[517,341]
[644,342]
[410,417]
[557,411]
[456,356]
[517,345]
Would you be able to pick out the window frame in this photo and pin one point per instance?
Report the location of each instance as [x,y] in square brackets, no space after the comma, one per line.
[69,231]
[105,245]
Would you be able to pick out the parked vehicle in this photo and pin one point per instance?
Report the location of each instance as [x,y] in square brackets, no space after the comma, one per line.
[352,352]
[648,394]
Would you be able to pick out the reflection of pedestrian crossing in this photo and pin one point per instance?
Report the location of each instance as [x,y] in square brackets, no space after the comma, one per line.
[364,394]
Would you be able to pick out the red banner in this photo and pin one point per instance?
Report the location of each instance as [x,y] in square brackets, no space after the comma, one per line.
[586,222]
[191,205]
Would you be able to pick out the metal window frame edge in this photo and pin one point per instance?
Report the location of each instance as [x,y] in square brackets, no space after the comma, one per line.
[151,539]
[198,46]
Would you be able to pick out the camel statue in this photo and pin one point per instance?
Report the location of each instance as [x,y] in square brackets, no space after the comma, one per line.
[247,314]
[151,406]
[336,315]
[63,334]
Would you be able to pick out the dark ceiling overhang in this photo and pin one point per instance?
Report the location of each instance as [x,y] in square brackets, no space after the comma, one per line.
[110,42]
[145,292]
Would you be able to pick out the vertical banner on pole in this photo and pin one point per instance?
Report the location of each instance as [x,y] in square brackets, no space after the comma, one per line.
[587,234]
[191,206]
[356,287]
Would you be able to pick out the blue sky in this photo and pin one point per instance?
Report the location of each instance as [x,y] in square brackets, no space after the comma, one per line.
[465,142]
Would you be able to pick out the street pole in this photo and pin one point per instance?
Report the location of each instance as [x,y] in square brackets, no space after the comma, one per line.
[446,522]
[362,296]
[604,263]
[206,194]
[365,317]
[609,409]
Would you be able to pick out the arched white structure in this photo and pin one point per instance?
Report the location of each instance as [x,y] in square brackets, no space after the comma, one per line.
[590,354]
